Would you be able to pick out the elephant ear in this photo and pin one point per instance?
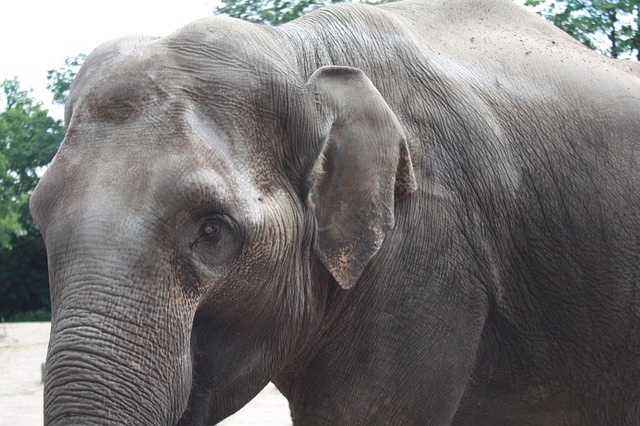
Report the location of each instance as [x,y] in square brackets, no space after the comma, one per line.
[363,167]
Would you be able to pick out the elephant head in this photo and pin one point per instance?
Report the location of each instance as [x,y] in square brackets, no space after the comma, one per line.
[205,202]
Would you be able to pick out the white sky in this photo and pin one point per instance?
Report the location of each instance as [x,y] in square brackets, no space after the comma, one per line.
[38,35]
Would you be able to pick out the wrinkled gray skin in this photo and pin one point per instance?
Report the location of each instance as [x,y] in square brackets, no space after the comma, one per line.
[449,236]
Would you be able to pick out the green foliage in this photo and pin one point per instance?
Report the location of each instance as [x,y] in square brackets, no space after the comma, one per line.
[24,281]
[611,26]
[36,315]
[60,79]
[272,12]
[29,138]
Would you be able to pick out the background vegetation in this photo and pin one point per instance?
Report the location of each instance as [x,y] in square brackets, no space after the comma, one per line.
[29,137]
[610,26]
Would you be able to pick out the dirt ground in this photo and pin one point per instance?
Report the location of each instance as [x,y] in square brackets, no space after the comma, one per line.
[23,350]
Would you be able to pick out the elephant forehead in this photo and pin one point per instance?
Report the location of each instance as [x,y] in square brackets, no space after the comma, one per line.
[156,165]
[118,86]
[126,91]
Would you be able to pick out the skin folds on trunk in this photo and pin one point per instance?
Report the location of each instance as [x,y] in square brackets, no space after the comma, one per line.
[90,381]
[115,348]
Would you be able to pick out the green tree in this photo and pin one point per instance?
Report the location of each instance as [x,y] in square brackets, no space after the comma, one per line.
[611,26]
[60,79]
[272,12]
[29,138]
[24,280]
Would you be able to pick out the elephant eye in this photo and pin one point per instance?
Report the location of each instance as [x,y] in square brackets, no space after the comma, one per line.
[216,240]
[210,232]
[210,229]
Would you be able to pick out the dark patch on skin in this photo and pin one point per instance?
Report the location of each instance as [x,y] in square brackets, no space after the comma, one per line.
[183,273]
[405,184]
[118,103]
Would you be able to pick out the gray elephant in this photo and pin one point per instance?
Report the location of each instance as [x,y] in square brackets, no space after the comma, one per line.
[420,213]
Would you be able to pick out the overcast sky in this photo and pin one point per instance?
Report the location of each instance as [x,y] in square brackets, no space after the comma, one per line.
[38,35]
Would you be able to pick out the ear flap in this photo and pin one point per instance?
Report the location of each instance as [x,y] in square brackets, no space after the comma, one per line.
[363,166]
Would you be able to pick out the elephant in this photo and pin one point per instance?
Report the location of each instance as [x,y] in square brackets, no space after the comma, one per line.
[417,213]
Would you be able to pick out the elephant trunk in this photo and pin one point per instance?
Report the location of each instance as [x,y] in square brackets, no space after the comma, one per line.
[94,377]
[119,351]
[103,370]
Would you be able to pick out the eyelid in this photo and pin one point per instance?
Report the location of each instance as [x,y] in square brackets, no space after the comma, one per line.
[224,219]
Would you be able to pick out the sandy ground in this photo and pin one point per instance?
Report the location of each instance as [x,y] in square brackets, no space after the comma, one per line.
[23,349]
